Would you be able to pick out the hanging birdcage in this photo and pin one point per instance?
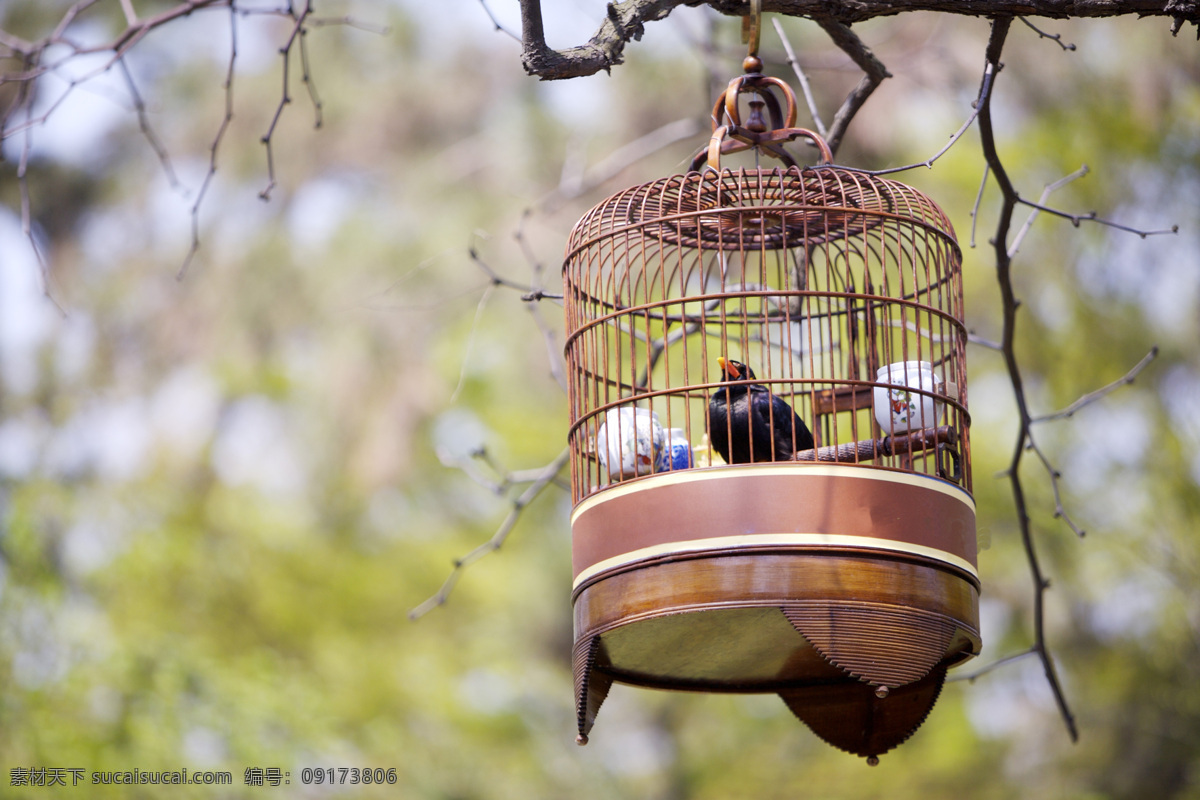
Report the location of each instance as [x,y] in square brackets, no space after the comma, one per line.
[770,460]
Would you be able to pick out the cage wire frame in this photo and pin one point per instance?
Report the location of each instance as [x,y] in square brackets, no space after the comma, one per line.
[847,588]
[815,277]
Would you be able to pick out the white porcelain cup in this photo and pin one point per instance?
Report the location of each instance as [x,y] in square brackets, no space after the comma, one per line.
[898,409]
[630,442]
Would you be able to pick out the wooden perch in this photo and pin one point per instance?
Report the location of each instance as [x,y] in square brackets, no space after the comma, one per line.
[869,449]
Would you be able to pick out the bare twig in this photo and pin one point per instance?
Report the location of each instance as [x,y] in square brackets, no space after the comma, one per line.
[972,338]
[546,477]
[284,98]
[306,78]
[487,10]
[499,482]
[971,677]
[130,15]
[1046,192]
[1103,391]
[23,99]
[985,88]
[349,22]
[1091,216]
[462,372]
[213,148]
[574,184]
[554,355]
[1060,510]
[1056,37]
[156,144]
[27,223]
[531,294]
[801,78]
[17,116]
[978,201]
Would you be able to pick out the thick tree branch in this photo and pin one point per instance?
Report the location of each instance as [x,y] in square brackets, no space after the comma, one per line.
[625,22]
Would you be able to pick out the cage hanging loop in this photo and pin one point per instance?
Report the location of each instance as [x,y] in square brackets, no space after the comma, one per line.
[727,104]
[751,34]
[733,136]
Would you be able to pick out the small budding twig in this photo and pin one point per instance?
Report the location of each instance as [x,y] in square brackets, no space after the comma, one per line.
[487,10]
[801,78]
[971,677]
[1060,511]
[156,144]
[989,75]
[285,98]
[1055,37]
[213,148]
[531,294]
[1103,391]
[547,476]
[1046,192]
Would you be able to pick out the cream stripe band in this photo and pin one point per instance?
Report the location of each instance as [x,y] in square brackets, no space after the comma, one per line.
[770,539]
[717,473]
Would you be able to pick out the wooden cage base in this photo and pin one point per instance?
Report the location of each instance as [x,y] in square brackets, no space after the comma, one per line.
[852,614]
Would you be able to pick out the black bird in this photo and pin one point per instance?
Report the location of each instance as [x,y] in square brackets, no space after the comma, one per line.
[747,423]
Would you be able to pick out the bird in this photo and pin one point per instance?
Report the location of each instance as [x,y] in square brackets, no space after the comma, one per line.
[746,423]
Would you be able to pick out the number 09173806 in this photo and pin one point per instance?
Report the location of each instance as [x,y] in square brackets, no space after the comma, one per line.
[347,775]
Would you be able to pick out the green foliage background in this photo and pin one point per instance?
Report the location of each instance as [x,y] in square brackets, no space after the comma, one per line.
[220,496]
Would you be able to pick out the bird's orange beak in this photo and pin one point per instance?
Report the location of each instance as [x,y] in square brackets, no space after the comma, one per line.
[728,368]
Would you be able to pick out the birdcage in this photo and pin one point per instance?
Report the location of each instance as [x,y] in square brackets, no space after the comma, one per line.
[822,544]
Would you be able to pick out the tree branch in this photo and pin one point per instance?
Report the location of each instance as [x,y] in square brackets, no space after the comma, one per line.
[974,675]
[576,182]
[213,148]
[875,73]
[1055,37]
[995,47]
[285,98]
[625,22]
[1046,192]
[1092,397]
[802,79]
[487,10]
[545,478]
